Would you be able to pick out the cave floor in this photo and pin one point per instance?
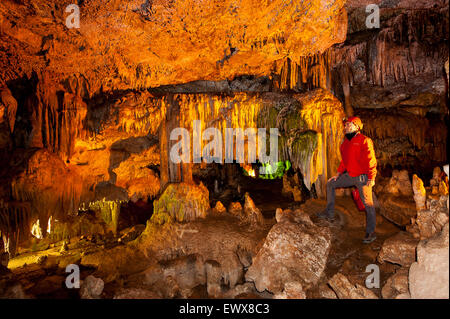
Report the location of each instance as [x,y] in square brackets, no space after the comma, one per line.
[42,273]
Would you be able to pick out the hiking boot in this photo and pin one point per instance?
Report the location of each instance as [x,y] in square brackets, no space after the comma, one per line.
[326,215]
[369,238]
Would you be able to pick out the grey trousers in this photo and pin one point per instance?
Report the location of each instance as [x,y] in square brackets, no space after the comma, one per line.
[365,192]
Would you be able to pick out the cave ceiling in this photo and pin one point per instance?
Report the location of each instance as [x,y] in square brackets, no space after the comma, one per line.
[141,44]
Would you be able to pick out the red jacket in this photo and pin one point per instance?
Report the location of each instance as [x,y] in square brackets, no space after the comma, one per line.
[358,157]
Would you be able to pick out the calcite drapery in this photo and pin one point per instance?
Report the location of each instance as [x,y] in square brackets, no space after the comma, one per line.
[310,124]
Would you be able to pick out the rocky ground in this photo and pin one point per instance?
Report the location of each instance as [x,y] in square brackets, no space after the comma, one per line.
[235,252]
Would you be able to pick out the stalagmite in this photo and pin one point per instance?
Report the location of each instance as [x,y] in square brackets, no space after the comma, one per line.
[419,193]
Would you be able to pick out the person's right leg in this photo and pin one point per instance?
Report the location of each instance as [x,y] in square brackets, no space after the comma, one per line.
[343,180]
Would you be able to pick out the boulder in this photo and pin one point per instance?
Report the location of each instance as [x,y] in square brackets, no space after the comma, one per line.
[294,251]
[397,209]
[292,290]
[326,292]
[397,285]
[91,288]
[429,276]
[344,289]
[399,249]
[431,221]
[399,184]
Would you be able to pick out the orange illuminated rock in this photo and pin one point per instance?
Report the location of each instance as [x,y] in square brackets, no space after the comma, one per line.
[302,259]
[420,195]
[146,44]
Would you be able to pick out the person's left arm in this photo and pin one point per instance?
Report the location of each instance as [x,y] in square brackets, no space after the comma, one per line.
[369,161]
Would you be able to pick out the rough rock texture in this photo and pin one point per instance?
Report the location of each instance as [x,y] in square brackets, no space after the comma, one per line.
[219,248]
[235,209]
[326,292]
[292,290]
[4,259]
[438,184]
[397,209]
[344,289]
[436,179]
[130,42]
[429,276]
[8,110]
[291,187]
[420,194]
[219,208]
[135,293]
[183,274]
[252,214]
[396,286]
[430,221]
[181,202]
[294,251]
[399,249]
[245,288]
[213,278]
[399,183]
[131,233]
[9,289]
[91,288]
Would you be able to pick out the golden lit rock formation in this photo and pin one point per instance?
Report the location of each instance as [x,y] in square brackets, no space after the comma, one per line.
[143,44]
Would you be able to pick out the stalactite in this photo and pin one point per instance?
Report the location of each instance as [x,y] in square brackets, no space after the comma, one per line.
[181,202]
[15,222]
[58,118]
[48,187]
[388,125]
[109,211]
[306,73]
[305,154]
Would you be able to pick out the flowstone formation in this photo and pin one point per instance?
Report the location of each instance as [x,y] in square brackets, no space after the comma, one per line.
[181,202]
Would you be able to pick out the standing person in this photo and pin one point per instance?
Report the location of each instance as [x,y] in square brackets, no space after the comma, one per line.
[358,168]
